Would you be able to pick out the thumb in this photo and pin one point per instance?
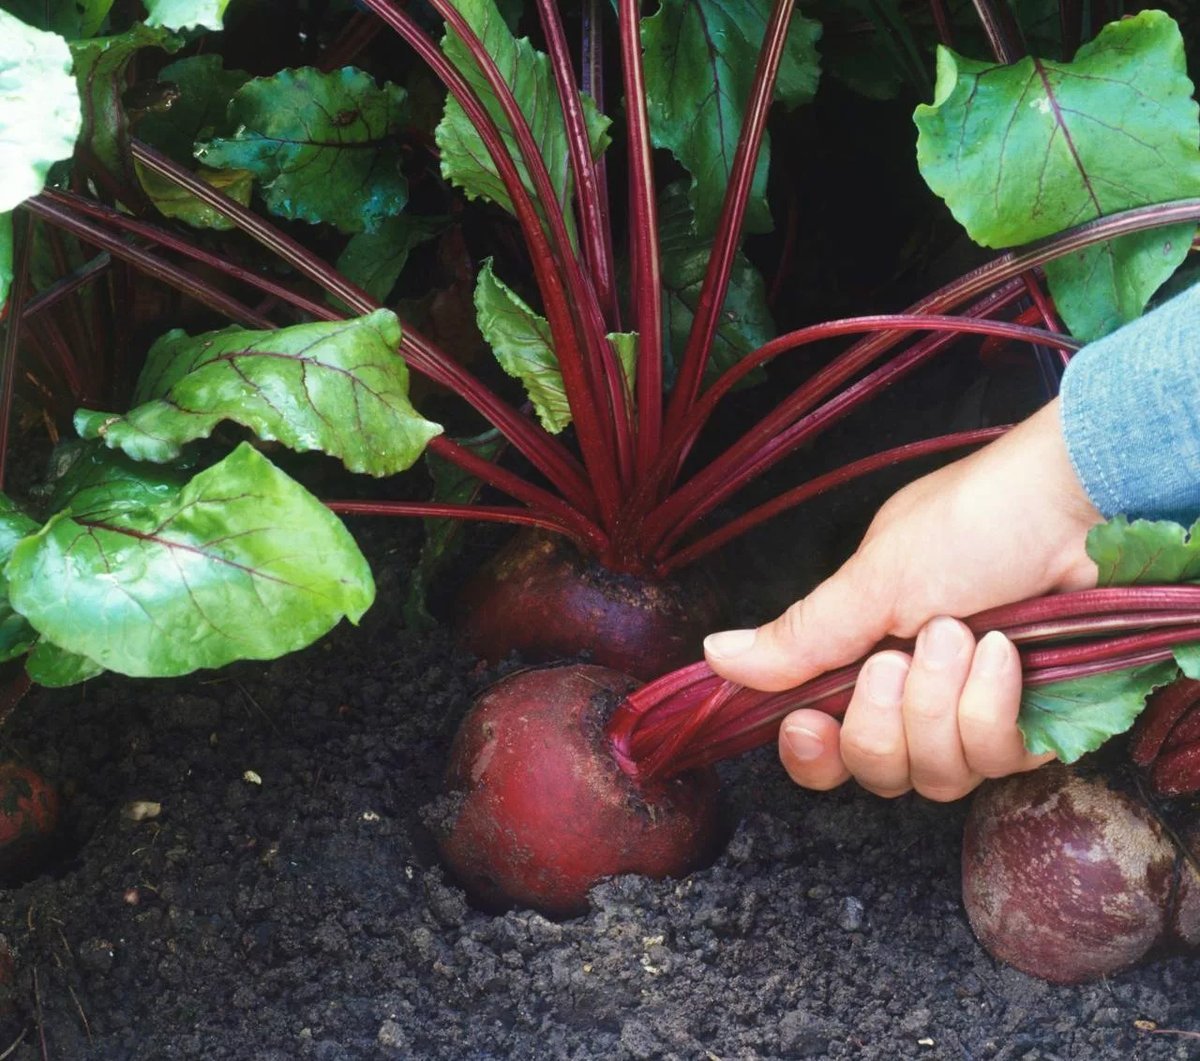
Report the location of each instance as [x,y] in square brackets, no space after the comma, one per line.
[835,624]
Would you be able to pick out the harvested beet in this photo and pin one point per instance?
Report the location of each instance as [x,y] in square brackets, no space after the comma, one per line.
[28,818]
[541,598]
[545,810]
[1069,880]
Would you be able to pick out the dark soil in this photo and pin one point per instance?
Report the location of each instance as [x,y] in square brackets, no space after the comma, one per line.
[286,904]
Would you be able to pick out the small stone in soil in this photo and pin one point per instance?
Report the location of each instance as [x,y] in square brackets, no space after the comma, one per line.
[850,917]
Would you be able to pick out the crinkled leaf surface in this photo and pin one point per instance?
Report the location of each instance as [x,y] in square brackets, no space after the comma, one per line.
[745,321]
[465,160]
[186,14]
[171,200]
[1075,717]
[205,90]
[39,109]
[375,260]
[1144,551]
[69,18]
[1025,150]
[338,387]
[700,60]
[100,66]
[323,146]
[242,563]
[520,339]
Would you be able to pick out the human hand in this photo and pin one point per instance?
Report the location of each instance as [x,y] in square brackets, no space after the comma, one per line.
[1006,523]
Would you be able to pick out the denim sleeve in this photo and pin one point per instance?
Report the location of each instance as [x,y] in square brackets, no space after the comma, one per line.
[1131,414]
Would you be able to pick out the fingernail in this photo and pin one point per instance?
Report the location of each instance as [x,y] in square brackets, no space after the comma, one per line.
[729,643]
[992,655]
[803,744]
[885,677]
[940,642]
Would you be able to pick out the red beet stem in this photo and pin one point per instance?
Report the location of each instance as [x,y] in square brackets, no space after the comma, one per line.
[692,717]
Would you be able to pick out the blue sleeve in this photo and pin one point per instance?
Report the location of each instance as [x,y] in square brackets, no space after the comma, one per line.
[1131,414]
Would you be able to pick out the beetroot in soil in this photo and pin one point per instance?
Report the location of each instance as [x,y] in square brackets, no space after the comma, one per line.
[1070,879]
[539,597]
[543,810]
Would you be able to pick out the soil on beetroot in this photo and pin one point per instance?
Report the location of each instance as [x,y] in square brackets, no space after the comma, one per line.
[286,902]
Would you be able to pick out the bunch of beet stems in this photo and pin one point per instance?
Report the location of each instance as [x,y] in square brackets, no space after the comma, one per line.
[620,499]
[691,717]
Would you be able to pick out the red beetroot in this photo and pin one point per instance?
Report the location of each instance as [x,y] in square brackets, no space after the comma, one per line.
[1069,880]
[546,811]
[542,599]
[28,818]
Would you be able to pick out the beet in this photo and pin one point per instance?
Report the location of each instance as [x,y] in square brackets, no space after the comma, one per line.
[28,818]
[1070,880]
[540,597]
[543,809]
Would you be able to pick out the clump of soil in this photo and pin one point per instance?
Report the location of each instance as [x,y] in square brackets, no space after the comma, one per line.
[286,902]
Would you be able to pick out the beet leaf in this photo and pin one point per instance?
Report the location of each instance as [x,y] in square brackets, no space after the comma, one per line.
[1025,150]
[1073,717]
[186,14]
[195,577]
[464,158]
[321,144]
[39,121]
[700,57]
[337,387]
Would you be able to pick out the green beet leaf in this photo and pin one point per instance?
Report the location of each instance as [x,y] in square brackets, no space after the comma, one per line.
[100,68]
[186,14]
[520,339]
[1149,551]
[16,635]
[375,260]
[171,200]
[1075,717]
[745,321]
[205,89]
[39,111]
[1026,150]
[323,146]
[465,161]
[242,563]
[86,476]
[54,667]
[72,19]
[700,61]
[338,387]
[1144,551]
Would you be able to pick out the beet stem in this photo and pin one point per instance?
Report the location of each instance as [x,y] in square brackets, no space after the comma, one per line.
[692,717]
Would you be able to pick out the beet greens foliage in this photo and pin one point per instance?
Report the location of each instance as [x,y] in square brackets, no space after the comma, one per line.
[150,182]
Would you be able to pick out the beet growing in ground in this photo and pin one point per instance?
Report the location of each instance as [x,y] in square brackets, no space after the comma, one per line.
[306,917]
